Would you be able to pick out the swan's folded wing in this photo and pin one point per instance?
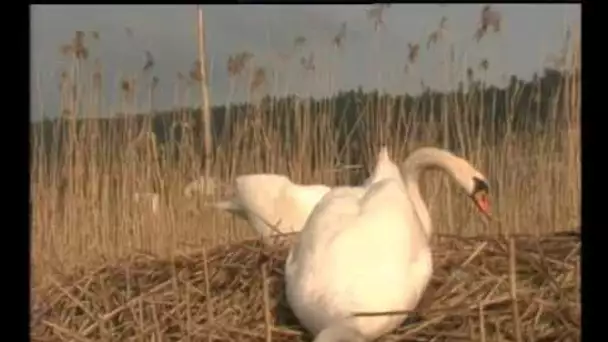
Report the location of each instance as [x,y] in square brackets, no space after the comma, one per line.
[258,194]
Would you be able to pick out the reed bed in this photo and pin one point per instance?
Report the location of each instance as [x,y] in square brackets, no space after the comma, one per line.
[520,288]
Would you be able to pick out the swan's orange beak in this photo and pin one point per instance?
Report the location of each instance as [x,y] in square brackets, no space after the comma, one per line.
[482,202]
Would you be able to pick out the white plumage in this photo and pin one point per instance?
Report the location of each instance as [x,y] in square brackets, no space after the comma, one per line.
[366,249]
[272,203]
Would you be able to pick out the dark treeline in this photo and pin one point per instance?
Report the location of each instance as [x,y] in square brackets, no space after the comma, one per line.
[521,106]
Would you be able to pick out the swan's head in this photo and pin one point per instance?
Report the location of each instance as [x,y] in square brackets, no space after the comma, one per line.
[475,184]
[480,195]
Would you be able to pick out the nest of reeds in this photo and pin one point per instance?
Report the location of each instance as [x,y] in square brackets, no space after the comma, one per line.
[519,289]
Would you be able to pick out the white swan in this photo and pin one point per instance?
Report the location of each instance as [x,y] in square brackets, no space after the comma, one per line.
[366,249]
[267,199]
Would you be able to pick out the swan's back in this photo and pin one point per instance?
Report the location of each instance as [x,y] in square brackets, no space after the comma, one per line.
[343,204]
[274,199]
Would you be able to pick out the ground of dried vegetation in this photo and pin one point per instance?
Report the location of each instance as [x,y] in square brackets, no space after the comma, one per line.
[488,288]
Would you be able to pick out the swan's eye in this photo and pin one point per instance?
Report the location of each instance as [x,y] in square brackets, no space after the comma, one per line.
[480,185]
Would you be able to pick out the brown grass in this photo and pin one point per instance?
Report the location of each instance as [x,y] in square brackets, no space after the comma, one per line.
[84,217]
[146,298]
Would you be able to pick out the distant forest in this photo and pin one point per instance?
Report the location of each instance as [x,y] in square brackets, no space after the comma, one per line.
[533,105]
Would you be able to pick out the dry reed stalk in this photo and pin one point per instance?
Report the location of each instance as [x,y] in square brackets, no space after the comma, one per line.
[66,332]
[513,288]
[209,304]
[80,304]
[267,315]
[188,313]
[204,84]
[482,323]
[142,328]
[478,250]
[156,325]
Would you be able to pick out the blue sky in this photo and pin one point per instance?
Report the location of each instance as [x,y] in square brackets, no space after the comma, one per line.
[529,33]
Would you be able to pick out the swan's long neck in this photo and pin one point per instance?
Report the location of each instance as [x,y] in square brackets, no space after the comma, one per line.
[412,168]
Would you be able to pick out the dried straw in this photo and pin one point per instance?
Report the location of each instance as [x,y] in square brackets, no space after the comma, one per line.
[477,287]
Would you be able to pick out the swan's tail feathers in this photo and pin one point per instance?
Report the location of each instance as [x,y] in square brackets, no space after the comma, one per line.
[230,206]
[227,205]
